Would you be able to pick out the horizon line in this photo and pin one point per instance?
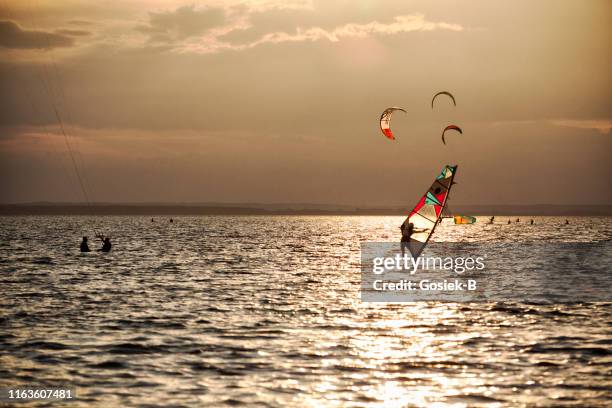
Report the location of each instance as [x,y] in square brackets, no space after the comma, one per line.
[279,203]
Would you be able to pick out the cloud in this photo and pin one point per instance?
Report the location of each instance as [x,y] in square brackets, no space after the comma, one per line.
[182,23]
[238,26]
[602,126]
[399,25]
[80,23]
[73,33]
[265,5]
[13,36]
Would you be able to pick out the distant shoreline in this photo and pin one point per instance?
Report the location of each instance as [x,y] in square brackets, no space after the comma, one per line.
[289,209]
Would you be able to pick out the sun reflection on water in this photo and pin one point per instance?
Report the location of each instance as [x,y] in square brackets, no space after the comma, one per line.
[206,314]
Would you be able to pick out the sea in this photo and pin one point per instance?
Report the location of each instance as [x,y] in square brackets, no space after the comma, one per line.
[267,311]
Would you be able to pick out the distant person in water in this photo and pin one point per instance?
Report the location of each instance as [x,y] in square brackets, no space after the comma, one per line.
[491,219]
[566,222]
[84,246]
[509,222]
[152,220]
[531,222]
[517,220]
[171,220]
[106,244]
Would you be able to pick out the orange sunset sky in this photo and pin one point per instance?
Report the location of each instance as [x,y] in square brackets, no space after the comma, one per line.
[278,101]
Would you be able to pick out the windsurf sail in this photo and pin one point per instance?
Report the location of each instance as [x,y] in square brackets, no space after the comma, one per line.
[464,219]
[425,215]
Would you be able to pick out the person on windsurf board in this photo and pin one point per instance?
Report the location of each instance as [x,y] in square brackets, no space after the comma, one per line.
[407,232]
[426,214]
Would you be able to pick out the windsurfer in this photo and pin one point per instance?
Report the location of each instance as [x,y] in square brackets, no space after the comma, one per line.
[407,232]
[426,214]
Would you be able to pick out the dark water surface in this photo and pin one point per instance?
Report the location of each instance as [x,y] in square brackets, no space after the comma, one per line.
[266,311]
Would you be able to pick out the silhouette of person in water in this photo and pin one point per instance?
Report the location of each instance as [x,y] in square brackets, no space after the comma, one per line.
[491,219]
[106,244]
[566,222]
[152,220]
[171,220]
[509,222]
[531,222]
[517,220]
[84,246]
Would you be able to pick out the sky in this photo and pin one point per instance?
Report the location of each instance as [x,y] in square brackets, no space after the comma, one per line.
[278,101]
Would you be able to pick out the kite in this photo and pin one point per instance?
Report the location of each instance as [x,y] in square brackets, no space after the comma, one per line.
[450,127]
[385,121]
[443,93]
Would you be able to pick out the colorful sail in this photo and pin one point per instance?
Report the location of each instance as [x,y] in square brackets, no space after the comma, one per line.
[464,219]
[426,214]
